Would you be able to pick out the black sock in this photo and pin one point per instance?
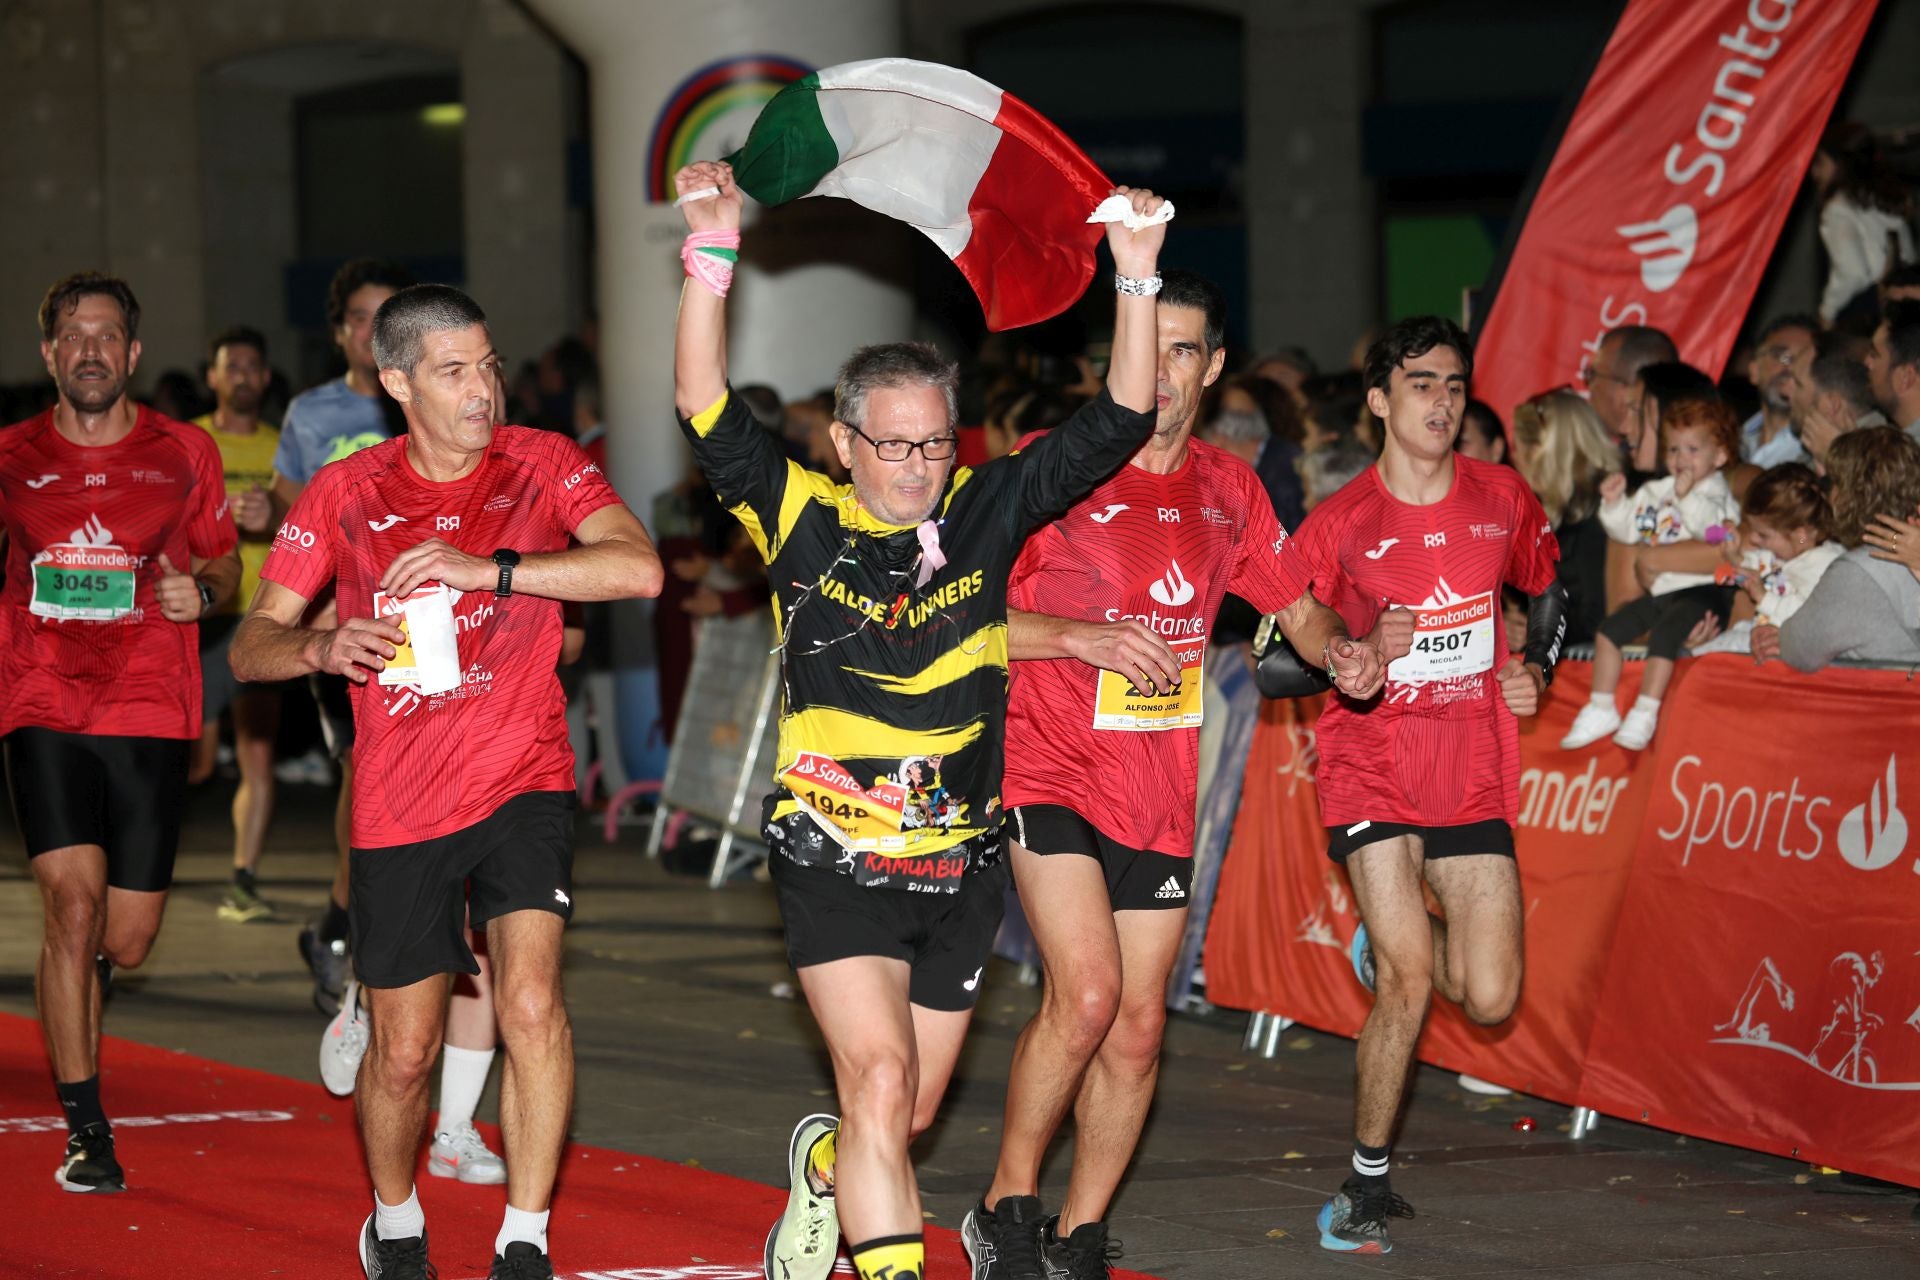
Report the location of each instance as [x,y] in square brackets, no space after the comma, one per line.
[1370,1164]
[244,879]
[333,925]
[81,1102]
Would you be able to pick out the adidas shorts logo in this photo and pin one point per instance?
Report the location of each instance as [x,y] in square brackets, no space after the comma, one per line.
[1171,889]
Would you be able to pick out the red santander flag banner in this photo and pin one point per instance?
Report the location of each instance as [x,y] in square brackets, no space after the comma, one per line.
[1669,187]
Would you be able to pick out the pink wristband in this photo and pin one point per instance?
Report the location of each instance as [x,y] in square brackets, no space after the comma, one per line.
[709,256]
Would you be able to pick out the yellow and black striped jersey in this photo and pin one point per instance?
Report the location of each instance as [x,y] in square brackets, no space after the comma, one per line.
[894,698]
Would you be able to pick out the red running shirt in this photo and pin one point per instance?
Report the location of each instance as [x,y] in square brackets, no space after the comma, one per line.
[1161,549]
[1438,746]
[86,647]
[425,766]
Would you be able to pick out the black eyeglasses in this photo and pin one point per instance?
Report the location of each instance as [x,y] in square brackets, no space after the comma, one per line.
[934,450]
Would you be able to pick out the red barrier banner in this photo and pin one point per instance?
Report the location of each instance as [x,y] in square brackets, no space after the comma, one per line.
[1722,933]
[1764,983]
[1668,189]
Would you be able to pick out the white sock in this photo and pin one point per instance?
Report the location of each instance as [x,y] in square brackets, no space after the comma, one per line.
[399,1221]
[1603,700]
[463,1076]
[522,1224]
[1649,705]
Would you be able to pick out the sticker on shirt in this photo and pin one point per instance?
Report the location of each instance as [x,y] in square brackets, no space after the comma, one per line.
[881,816]
[428,660]
[1451,638]
[1118,705]
[87,578]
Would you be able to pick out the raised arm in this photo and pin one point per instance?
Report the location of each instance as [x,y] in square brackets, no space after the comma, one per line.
[700,339]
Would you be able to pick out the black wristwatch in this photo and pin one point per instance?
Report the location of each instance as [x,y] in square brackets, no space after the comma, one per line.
[506,559]
[206,597]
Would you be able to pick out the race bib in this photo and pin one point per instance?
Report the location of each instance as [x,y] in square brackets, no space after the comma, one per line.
[1118,705]
[86,583]
[1448,641]
[856,817]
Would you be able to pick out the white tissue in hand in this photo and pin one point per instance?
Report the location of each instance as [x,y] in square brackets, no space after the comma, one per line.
[1120,209]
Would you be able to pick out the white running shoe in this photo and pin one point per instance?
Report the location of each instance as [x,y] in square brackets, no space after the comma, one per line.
[1474,1084]
[1636,731]
[462,1153]
[805,1242]
[1594,722]
[344,1044]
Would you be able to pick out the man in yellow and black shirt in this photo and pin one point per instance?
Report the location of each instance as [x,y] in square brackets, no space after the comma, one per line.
[890,602]
[237,374]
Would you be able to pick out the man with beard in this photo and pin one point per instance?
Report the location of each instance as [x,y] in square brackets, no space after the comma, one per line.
[118,542]
[1785,349]
[237,374]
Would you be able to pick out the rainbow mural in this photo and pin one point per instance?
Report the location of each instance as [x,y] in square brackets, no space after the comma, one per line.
[703,97]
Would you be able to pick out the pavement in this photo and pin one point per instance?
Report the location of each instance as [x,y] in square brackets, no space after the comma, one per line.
[686,1054]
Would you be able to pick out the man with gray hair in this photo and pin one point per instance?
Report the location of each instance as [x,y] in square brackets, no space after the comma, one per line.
[884,824]
[449,549]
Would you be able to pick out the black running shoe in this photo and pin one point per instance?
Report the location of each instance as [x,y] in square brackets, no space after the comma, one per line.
[90,1165]
[404,1259]
[521,1261]
[328,961]
[1004,1243]
[1086,1254]
[1355,1219]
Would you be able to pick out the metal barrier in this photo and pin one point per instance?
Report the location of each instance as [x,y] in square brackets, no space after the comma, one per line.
[722,762]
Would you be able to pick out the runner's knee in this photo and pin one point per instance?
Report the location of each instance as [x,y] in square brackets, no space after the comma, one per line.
[127,952]
[530,1012]
[75,919]
[1490,999]
[880,1087]
[1133,1043]
[1086,1005]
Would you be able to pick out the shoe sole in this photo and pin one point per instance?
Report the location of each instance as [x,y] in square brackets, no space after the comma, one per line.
[970,1241]
[445,1169]
[81,1188]
[793,1158]
[1330,1241]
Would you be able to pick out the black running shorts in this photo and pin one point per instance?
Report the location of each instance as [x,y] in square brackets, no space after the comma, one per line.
[123,794]
[945,938]
[1137,879]
[407,904]
[333,695]
[1491,836]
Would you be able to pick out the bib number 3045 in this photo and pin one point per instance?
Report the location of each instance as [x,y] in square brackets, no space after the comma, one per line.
[82,583]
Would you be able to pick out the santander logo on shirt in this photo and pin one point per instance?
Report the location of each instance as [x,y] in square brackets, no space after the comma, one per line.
[1173,590]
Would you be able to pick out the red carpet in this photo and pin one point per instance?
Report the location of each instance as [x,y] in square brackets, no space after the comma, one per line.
[236,1173]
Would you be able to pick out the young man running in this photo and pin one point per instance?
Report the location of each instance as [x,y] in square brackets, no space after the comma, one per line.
[237,374]
[890,594]
[1113,605]
[1423,786]
[463,804]
[118,542]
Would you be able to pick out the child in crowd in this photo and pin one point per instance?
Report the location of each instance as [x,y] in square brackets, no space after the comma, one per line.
[1691,503]
[1785,543]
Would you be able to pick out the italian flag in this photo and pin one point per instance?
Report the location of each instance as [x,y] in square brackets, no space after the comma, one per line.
[990,180]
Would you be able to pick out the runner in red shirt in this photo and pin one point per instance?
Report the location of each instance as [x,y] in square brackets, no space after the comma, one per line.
[464,775]
[1112,608]
[1424,782]
[118,540]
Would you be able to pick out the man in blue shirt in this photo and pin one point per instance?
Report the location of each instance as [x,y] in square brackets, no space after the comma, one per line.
[341,417]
